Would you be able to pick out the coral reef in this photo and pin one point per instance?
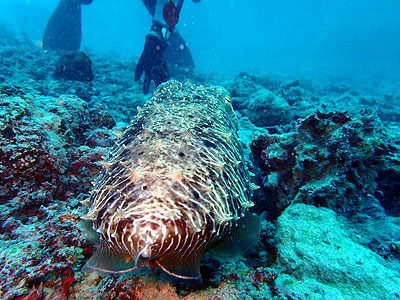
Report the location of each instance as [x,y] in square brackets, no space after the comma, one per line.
[319,261]
[345,165]
[74,65]
[264,109]
[39,249]
[328,159]
[268,101]
[44,167]
[305,96]
[337,161]
[28,159]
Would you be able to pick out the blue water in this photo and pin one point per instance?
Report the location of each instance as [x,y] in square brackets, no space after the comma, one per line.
[309,37]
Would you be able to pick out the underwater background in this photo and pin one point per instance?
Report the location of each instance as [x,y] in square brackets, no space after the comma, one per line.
[315,86]
[308,38]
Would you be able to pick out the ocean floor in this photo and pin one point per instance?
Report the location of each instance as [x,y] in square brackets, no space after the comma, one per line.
[324,153]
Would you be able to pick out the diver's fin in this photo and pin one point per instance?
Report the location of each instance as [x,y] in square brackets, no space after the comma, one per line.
[185,268]
[108,260]
[63,30]
[177,55]
[150,5]
[240,239]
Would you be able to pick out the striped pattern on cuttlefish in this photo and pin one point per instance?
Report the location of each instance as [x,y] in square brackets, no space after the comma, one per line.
[174,186]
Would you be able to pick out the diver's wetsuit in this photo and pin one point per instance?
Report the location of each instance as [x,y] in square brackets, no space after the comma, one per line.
[177,54]
[164,47]
[63,30]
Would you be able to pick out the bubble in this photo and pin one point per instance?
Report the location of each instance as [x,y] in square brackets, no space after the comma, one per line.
[39,43]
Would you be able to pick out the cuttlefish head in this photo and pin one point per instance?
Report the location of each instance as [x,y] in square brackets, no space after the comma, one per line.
[128,243]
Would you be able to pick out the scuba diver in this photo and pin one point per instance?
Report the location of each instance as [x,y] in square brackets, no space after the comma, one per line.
[164,48]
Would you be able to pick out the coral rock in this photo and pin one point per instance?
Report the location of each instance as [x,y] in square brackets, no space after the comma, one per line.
[319,261]
[74,66]
[329,159]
